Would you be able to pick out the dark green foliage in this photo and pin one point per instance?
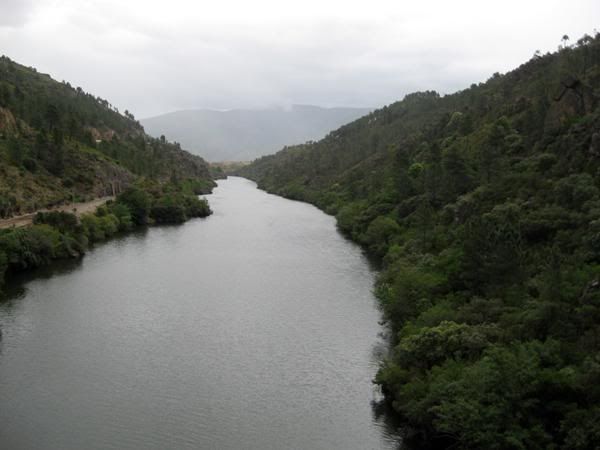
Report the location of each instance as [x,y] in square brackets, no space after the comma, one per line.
[195,207]
[15,151]
[196,186]
[122,213]
[484,207]
[138,203]
[177,208]
[73,237]
[379,234]
[168,210]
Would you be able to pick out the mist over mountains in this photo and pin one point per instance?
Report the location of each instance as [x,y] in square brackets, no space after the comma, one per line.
[244,134]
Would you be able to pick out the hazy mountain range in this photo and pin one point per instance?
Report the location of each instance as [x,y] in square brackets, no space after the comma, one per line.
[244,134]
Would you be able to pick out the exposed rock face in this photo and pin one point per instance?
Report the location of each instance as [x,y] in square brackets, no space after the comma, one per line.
[110,179]
[572,99]
[101,135]
[8,124]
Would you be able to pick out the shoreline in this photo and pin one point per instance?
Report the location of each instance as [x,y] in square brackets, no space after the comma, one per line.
[78,209]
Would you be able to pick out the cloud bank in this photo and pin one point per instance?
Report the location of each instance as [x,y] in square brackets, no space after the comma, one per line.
[152,56]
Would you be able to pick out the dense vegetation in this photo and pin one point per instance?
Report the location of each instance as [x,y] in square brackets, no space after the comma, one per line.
[484,207]
[59,144]
[61,235]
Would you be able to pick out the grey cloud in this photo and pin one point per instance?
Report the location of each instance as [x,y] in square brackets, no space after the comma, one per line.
[14,13]
[136,58]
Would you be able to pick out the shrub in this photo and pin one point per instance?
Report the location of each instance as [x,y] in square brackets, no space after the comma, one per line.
[138,203]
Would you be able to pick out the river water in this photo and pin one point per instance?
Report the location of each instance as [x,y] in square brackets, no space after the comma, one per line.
[254,328]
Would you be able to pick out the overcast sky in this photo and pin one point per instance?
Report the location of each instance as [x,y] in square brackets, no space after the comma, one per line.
[153,56]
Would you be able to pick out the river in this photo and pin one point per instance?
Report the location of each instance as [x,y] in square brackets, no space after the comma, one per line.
[254,328]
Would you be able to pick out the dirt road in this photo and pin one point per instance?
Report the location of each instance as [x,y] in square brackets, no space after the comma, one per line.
[77,208]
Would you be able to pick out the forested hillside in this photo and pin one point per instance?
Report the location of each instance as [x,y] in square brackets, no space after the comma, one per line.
[59,144]
[484,207]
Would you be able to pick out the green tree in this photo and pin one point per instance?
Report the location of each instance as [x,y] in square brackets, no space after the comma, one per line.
[15,151]
[138,203]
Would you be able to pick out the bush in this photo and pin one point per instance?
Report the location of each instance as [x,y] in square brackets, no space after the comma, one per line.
[123,215]
[109,224]
[380,233]
[29,247]
[99,228]
[93,227]
[433,345]
[168,210]
[138,204]
[174,208]
[62,221]
[196,207]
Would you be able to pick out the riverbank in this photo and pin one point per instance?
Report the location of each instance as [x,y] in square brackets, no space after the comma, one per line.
[58,234]
[78,209]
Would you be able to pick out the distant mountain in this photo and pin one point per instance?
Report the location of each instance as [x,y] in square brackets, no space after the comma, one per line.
[243,134]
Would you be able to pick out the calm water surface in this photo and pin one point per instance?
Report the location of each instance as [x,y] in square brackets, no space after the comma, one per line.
[254,328]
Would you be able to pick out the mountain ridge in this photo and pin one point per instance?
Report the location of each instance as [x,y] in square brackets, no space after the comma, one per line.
[244,134]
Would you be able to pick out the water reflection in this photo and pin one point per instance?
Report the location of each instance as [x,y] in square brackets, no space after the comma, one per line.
[16,283]
[384,414]
[254,328]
